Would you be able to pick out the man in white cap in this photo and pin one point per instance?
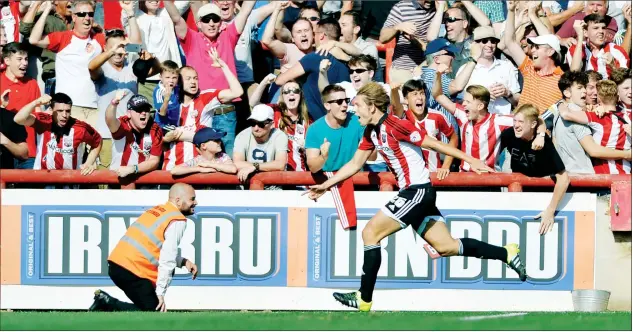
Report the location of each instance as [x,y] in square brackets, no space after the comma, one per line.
[212,32]
[540,70]
[261,147]
[499,76]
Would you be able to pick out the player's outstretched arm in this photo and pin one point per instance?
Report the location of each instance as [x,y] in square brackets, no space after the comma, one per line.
[352,167]
[477,165]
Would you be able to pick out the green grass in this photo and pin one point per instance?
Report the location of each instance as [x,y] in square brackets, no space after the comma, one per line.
[285,320]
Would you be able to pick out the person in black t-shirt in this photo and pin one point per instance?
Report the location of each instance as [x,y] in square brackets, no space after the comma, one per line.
[12,137]
[544,162]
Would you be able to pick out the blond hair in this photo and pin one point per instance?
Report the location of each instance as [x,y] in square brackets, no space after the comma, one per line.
[607,92]
[480,93]
[374,94]
[529,111]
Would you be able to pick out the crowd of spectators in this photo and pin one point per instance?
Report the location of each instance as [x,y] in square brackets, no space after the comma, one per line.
[241,87]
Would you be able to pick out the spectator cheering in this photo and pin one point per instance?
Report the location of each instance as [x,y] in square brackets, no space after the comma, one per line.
[61,137]
[595,53]
[74,49]
[138,141]
[22,91]
[197,109]
[573,141]
[536,163]
[291,117]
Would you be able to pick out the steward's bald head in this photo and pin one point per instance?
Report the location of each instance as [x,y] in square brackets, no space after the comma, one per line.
[184,197]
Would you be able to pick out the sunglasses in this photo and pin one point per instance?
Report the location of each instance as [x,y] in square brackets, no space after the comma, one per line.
[83,14]
[211,17]
[312,18]
[289,91]
[450,19]
[261,124]
[488,40]
[357,71]
[115,33]
[339,101]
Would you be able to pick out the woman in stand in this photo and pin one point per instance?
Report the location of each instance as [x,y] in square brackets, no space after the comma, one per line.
[291,117]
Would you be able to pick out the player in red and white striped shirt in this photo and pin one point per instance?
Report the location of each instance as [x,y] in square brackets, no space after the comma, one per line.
[196,111]
[433,122]
[136,146]
[61,138]
[597,54]
[400,143]
[479,129]
[608,130]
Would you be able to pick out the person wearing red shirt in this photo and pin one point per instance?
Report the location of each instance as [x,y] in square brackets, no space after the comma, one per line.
[595,53]
[434,122]
[400,144]
[60,137]
[22,90]
[479,129]
[137,140]
[197,110]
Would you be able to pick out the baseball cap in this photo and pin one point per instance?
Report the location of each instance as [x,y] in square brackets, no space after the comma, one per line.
[549,40]
[262,113]
[207,9]
[440,44]
[207,134]
[484,32]
[139,103]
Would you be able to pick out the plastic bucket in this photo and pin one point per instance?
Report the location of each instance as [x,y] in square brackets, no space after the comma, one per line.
[590,300]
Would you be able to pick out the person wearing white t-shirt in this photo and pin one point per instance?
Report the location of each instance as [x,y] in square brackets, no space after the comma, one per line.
[74,49]
[500,77]
[111,71]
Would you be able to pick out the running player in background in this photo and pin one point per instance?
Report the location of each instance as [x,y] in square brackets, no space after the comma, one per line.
[400,143]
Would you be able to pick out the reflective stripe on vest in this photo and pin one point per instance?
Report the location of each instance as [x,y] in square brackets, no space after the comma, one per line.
[149,232]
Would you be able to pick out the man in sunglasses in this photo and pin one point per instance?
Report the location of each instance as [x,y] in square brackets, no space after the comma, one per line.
[497,75]
[74,49]
[456,21]
[261,147]
[56,21]
[362,69]
[138,141]
[212,32]
[540,69]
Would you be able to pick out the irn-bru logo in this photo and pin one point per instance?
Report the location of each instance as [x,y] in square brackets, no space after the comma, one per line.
[405,260]
[225,246]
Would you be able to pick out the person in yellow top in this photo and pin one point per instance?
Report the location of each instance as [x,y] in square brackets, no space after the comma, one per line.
[142,263]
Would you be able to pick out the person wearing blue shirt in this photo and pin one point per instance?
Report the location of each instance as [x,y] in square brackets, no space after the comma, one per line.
[327,30]
[332,140]
[169,117]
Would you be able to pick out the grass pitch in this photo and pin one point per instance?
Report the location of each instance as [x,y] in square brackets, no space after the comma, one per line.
[316,320]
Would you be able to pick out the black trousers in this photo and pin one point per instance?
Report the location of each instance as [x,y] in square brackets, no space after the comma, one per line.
[141,291]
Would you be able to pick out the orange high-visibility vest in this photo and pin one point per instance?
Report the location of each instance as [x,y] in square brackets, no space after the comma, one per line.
[138,250]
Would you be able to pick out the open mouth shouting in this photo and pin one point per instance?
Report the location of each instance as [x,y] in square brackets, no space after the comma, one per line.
[225,10]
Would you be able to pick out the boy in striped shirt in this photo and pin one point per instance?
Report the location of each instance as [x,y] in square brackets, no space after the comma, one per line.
[599,55]
[480,131]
